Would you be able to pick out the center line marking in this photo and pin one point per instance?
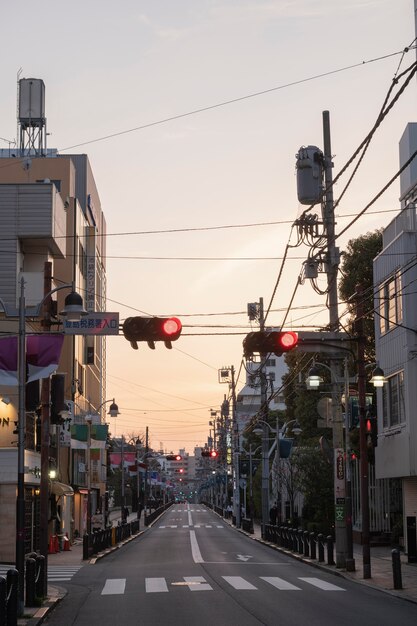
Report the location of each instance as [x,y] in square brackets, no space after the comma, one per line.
[195,550]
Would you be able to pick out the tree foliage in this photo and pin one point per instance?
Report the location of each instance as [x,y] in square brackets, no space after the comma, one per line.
[357,269]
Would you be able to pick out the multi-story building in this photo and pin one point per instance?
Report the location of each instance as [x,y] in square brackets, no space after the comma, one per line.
[51,221]
[249,397]
[395,275]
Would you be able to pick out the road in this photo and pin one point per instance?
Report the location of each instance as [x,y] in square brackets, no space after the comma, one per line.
[191,568]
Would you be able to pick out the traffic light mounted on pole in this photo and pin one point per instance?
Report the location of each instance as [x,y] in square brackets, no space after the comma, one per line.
[269,341]
[152,329]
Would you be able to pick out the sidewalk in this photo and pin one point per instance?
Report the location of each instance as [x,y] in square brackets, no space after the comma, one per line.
[381,569]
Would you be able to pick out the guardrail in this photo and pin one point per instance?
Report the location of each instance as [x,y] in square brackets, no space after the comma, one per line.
[152,516]
[308,544]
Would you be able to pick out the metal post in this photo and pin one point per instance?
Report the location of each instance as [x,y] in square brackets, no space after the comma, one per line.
[20,502]
[123,497]
[88,453]
[138,445]
[278,476]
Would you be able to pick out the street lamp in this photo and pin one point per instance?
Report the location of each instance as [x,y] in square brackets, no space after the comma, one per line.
[73,309]
[266,453]
[341,486]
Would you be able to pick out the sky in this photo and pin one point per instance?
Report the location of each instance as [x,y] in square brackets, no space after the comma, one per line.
[191,113]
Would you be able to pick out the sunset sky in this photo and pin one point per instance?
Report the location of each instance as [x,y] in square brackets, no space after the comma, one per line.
[191,113]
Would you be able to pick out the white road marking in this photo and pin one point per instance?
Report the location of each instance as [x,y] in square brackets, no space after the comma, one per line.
[173,526]
[322,584]
[280,583]
[155,585]
[195,549]
[237,582]
[114,586]
[197,583]
[190,519]
[244,557]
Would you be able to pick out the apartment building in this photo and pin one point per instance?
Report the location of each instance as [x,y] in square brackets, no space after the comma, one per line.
[50,217]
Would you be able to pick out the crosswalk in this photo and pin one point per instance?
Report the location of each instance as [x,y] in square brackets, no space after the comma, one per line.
[191,526]
[56,573]
[117,586]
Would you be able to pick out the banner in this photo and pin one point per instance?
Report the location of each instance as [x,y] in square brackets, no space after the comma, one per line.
[42,357]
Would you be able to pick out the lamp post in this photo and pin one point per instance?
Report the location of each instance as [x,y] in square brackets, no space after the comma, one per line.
[73,309]
[279,433]
[113,412]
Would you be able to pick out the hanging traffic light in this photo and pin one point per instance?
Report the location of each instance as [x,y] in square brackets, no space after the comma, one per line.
[173,457]
[271,341]
[152,329]
[210,453]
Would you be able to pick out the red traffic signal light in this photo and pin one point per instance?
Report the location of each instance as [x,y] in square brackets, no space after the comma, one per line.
[211,453]
[272,341]
[151,329]
[173,457]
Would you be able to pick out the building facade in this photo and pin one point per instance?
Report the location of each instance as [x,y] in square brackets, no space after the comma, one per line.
[50,216]
[395,300]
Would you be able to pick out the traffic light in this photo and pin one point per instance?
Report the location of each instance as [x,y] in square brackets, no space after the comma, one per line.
[271,341]
[173,457]
[372,429]
[151,329]
[210,453]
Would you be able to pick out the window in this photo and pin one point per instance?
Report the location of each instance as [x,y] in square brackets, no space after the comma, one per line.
[393,401]
[270,362]
[390,304]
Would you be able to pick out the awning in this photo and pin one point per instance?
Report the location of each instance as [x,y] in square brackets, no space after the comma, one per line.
[60,489]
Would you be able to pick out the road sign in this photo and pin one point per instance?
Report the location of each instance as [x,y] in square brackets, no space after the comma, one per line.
[103,323]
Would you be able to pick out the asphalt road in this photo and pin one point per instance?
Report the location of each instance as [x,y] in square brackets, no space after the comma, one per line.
[191,568]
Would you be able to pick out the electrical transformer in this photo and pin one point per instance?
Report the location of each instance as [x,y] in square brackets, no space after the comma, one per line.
[309,175]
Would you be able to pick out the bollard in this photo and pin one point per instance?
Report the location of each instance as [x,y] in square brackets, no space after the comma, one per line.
[306,544]
[396,569]
[330,560]
[30,582]
[85,547]
[12,596]
[320,542]
[3,599]
[300,541]
[312,546]
[41,582]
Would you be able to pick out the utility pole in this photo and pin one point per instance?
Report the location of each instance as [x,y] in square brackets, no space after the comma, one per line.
[145,493]
[236,450]
[45,423]
[265,429]
[332,265]
[364,480]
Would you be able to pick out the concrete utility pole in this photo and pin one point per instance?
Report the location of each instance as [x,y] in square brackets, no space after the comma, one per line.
[364,465]
[332,266]
[236,451]
[265,429]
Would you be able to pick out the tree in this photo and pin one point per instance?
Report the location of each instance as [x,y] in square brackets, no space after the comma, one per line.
[357,268]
